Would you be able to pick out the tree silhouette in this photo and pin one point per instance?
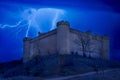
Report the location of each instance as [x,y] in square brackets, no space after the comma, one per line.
[83,41]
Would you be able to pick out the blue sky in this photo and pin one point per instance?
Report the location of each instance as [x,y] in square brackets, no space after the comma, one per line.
[21,18]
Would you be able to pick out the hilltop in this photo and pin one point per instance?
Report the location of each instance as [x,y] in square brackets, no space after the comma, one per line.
[56,66]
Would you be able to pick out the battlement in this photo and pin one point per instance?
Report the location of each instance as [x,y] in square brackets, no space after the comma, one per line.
[39,33]
[27,39]
[105,37]
[63,23]
[97,37]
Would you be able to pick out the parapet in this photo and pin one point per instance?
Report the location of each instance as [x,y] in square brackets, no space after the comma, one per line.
[39,33]
[66,23]
[89,32]
[105,37]
[27,39]
[97,37]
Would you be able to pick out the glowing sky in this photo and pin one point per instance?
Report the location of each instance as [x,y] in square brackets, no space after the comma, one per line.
[25,18]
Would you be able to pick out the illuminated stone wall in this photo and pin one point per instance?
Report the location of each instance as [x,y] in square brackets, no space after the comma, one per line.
[63,41]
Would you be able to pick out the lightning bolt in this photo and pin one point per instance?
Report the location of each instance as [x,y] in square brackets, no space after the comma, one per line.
[54,20]
[11,26]
[34,18]
[31,21]
[28,28]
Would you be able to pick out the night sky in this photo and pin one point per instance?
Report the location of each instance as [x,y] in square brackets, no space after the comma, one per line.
[25,18]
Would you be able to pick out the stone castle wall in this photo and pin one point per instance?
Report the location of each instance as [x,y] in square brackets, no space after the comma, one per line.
[98,45]
[63,41]
[42,45]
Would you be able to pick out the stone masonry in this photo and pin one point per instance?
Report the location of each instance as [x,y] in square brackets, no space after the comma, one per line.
[65,40]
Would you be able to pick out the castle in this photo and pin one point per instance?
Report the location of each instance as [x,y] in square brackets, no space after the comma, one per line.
[65,40]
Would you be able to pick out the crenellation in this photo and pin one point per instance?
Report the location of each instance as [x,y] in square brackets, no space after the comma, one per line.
[97,37]
[105,37]
[75,31]
[89,32]
[44,35]
[39,33]
[27,39]
[63,23]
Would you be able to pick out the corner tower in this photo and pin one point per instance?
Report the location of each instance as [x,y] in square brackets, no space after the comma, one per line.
[105,47]
[26,49]
[63,34]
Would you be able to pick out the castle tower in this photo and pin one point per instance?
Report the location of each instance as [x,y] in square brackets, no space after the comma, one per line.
[26,50]
[105,47]
[63,37]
